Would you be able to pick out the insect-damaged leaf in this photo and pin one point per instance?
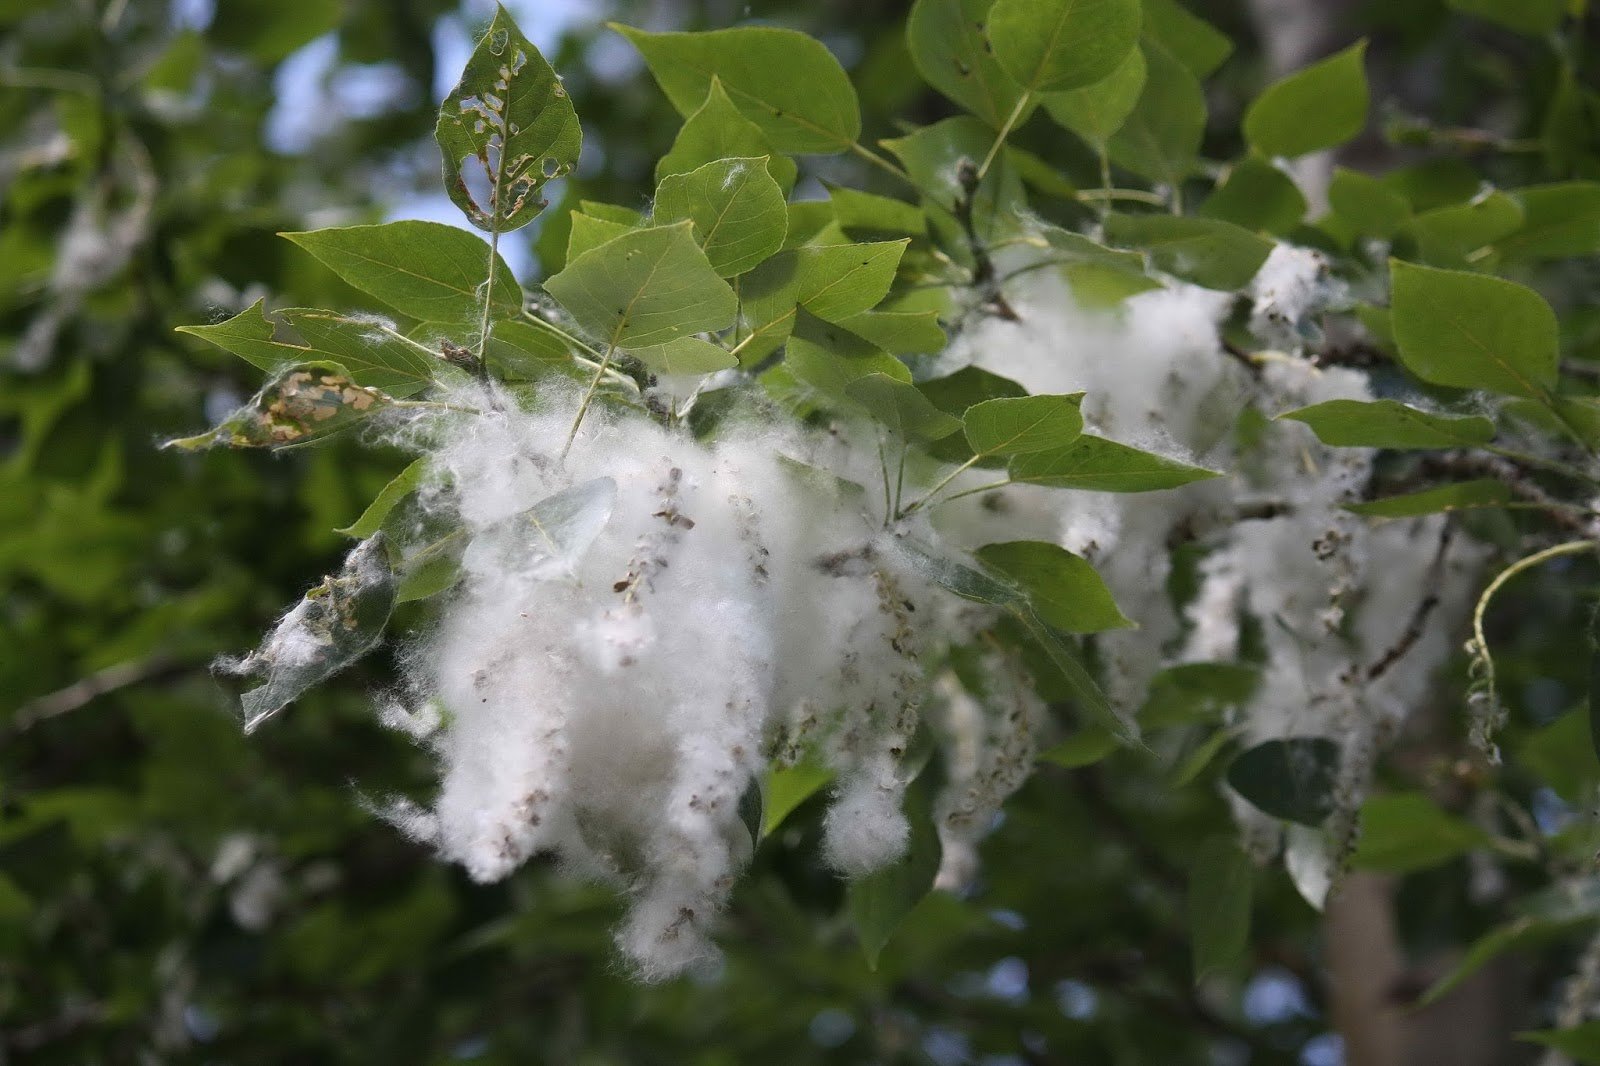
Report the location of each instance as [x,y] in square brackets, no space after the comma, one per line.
[332,626]
[300,405]
[505,130]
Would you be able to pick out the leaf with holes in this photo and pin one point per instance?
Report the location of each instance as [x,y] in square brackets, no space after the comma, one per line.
[506,129]
[299,405]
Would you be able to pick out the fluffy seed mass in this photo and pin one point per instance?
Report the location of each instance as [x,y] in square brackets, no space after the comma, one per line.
[646,624]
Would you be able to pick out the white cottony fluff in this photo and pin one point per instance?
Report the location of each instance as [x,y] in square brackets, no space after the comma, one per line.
[644,625]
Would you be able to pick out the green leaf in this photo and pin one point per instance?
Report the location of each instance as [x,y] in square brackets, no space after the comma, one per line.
[1206,251]
[1160,139]
[1563,755]
[719,130]
[369,349]
[1220,883]
[1389,424]
[875,216]
[950,49]
[334,625]
[1023,425]
[1367,204]
[1594,683]
[525,351]
[685,356]
[1290,779]
[1201,756]
[589,232]
[738,211]
[382,359]
[1084,748]
[1096,112]
[1472,331]
[1319,107]
[932,156]
[1101,465]
[1052,45]
[840,280]
[1558,221]
[1581,1042]
[505,130]
[830,359]
[900,332]
[790,786]
[1404,832]
[299,405]
[898,405]
[1522,933]
[1063,588]
[550,538]
[1257,196]
[403,485]
[788,84]
[1533,17]
[769,298]
[981,586]
[970,385]
[1462,495]
[1456,235]
[1190,693]
[645,288]
[426,270]
[1193,41]
[879,902]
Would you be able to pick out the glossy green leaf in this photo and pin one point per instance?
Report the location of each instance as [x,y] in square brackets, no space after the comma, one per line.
[738,211]
[899,406]
[1290,779]
[1023,425]
[1525,16]
[1462,495]
[374,355]
[1390,424]
[880,902]
[1220,884]
[1160,139]
[1558,221]
[1101,465]
[1052,45]
[1367,204]
[841,280]
[950,48]
[645,288]
[1096,112]
[1193,41]
[1084,748]
[788,787]
[1257,196]
[1063,588]
[1472,331]
[719,130]
[505,130]
[1404,832]
[372,519]
[426,270]
[1206,251]
[1319,107]
[1580,1042]
[785,82]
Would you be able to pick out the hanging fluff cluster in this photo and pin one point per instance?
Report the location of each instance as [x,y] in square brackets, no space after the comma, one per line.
[639,629]
[1349,647]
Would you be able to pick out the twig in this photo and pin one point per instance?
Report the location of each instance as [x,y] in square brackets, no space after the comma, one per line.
[86,690]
